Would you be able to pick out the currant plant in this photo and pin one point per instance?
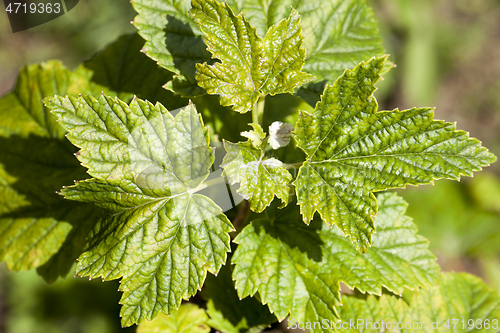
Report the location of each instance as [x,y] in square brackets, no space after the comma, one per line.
[175,191]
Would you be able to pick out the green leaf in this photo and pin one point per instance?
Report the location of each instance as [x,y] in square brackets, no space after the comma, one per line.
[161,236]
[173,40]
[230,314]
[338,35]
[255,135]
[458,296]
[188,319]
[37,224]
[122,68]
[36,161]
[353,150]
[261,178]
[249,66]
[297,268]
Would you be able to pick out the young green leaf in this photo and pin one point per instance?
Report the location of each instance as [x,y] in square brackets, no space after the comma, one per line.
[339,34]
[261,178]
[161,236]
[189,318]
[36,161]
[255,135]
[353,150]
[249,66]
[461,303]
[297,268]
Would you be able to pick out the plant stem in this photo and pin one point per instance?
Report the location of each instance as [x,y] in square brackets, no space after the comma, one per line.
[255,114]
[258,110]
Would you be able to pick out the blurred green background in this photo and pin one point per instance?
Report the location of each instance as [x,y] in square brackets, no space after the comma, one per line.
[448,56]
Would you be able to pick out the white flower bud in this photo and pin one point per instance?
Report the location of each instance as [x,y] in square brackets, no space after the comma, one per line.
[279,134]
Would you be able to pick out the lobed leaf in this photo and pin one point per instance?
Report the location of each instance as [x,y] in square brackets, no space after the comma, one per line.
[249,66]
[296,269]
[261,178]
[38,226]
[255,135]
[458,297]
[353,150]
[338,34]
[161,236]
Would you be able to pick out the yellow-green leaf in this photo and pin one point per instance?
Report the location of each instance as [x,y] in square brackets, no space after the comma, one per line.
[261,178]
[296,269]
[173,40]
[249,66]
[161,236]
[354,150]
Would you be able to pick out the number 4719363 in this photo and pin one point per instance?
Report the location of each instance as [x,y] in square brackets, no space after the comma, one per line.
[471,324]
[41,8]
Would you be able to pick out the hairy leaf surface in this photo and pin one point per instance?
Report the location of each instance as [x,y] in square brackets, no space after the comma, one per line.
[189,318]
[250,66]
[458,296]
[297,268]
[261,178]
[161,236]
[353,150]
[36,161]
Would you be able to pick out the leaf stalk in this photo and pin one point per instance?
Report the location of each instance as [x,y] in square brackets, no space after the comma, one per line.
[258,110]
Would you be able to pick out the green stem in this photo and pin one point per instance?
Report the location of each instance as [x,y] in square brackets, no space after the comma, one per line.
[255,114]
[258,110]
